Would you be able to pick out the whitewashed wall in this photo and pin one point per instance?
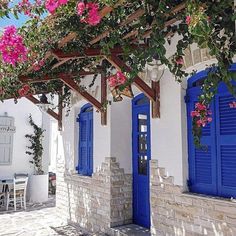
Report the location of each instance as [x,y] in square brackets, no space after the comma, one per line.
[20,112]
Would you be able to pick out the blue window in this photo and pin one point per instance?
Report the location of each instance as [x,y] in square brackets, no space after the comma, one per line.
[212,169]
[85,152]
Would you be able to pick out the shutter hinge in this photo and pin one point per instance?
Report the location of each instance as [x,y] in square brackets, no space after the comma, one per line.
[187,99]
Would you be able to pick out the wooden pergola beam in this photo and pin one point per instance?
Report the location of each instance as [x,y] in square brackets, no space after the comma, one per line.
[46,78]
[73,86]
[49,111]
[92,52]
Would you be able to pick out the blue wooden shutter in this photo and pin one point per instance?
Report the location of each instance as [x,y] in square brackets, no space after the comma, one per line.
[90,143]
[86,141]
[83,125]
[226,143]
[202,162]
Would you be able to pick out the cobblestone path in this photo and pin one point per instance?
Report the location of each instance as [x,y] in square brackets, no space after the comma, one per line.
[37,220]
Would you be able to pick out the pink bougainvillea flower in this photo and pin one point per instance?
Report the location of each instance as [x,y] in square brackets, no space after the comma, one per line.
[80,8]
[112,81]
[51,5]
[195,113]
[180,61]
[118,79]
[92,16]
[201,115]
[12,47]
[232,105]
[121,78]
[26,88]
[188,20]
[209,119]
[200,106]
[21,92]
[62,2]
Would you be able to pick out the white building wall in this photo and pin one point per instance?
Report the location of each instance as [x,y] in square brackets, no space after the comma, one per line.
[121,133]
[20,112]
[166,133]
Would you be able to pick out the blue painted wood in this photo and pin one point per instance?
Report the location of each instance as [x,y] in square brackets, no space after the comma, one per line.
[203,74]
[213,172]
[202,162]
[85,140]
[226,143]
[141,175]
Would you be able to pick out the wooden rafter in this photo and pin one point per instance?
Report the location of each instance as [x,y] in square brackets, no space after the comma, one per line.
[92,52]
[46,78]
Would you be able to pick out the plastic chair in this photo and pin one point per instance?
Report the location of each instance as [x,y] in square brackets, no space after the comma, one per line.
[18,193]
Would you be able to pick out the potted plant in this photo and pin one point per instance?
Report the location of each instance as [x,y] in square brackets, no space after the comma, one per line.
[38,184]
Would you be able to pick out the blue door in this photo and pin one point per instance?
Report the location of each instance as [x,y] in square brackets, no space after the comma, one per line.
[141,157]
[86,140]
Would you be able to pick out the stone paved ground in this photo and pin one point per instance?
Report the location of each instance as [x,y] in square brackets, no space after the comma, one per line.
[37,220]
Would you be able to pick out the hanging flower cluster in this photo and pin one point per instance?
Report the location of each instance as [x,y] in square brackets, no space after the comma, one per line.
[52,5]
[12,47]
[89,13]
[25,90]
[116,80]
[201,115]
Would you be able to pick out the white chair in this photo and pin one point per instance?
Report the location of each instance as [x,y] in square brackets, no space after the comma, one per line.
[2,198]
[18,193]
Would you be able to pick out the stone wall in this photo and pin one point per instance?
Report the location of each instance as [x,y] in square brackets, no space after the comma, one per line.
[177,213]
[98,202]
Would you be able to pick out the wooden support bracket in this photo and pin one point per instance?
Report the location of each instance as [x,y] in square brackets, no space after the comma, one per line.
[49,111]
[72,85]
[153,93]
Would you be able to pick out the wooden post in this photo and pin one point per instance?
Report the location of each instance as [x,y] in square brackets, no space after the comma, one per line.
[156,102]
[60,110]
[104,98]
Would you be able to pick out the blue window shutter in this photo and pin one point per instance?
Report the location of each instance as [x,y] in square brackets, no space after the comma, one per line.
[202,162]
[83,125]
[86,141]
[226,143]
[90,144]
